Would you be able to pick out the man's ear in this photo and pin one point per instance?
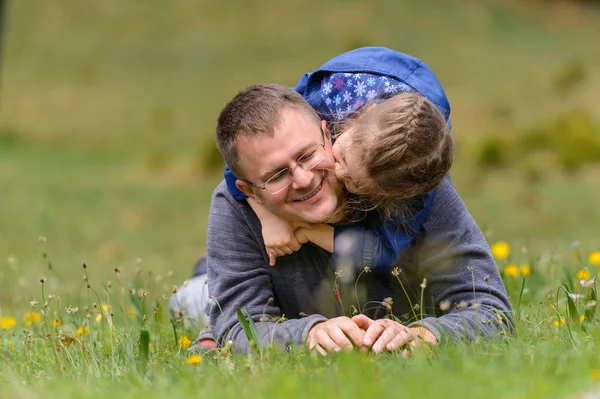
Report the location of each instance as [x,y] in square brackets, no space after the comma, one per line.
[247,189]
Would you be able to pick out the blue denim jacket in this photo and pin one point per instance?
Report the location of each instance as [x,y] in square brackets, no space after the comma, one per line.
[376,243]
[377,61]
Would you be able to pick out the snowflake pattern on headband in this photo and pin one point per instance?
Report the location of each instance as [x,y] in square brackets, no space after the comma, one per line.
[344,93]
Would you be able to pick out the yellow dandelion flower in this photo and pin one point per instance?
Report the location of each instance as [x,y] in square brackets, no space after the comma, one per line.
[56,322]
[32,317]
[7,322]
[81,331]
[105,308]
[511,270]
[596,374]
[501,250]
[184,342]
[594,258]
[132,312]
[194,360]
[583,274]
[98,317]
[581,319]
[525,270]
[500,319]
[561,322]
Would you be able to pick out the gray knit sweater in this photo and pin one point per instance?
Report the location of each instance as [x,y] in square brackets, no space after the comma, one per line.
[462,295]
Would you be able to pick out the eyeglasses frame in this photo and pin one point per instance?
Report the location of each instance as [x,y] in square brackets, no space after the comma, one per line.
[298,164]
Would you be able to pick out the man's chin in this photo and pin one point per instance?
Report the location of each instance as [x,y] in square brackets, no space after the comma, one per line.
[323,209]
[320,213]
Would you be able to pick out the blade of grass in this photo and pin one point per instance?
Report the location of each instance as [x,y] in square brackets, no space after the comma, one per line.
[246,327]
[254,331]
[520,298]
[144,351]
[572,307]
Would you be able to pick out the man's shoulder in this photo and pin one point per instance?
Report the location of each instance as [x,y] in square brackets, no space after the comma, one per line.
[448,211]
[221,190]
[226,211]
[223,200]
[445,192]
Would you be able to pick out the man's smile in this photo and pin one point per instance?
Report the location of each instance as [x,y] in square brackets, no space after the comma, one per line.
[312,194]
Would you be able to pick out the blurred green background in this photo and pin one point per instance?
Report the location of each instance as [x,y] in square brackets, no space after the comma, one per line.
[108,108]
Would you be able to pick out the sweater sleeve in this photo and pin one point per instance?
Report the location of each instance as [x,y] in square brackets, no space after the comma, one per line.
[239,277]
[461,275]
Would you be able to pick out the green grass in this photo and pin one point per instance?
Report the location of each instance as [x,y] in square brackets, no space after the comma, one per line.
[545,358]
[351,376]
[106,114]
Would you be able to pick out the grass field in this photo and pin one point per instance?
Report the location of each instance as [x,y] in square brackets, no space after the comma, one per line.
[106,157]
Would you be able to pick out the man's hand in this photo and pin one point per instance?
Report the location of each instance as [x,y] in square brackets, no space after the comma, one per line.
[390,335]
[334,335]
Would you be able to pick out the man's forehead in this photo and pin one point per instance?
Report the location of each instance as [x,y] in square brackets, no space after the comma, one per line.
[292,124]
[264,152]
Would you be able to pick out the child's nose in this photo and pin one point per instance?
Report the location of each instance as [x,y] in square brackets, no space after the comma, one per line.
[338,171]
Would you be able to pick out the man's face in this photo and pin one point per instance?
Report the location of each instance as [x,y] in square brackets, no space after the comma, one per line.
[313,195]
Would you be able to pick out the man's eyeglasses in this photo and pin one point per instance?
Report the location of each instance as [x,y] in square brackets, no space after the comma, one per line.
[307,161]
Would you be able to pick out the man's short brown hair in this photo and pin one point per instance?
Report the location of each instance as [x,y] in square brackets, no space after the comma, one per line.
[252,112]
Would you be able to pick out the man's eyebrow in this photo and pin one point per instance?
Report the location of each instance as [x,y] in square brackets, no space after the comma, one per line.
[268,174]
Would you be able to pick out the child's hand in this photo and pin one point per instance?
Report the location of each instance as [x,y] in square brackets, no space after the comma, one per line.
[306,225]
[279,239]
[302,231]
[301,234]
[278,234]
[319,234]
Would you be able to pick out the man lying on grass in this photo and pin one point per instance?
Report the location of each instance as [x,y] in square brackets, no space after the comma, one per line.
[442,284]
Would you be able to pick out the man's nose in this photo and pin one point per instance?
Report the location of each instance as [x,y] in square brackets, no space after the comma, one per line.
[302,178]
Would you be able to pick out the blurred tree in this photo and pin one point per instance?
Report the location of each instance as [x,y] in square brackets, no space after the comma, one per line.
[571,76]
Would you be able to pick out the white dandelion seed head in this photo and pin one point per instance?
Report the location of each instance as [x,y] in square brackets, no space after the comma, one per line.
[588,283]
[445,306]
[344,243]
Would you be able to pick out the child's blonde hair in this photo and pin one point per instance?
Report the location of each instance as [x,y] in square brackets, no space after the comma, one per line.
[406,146]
